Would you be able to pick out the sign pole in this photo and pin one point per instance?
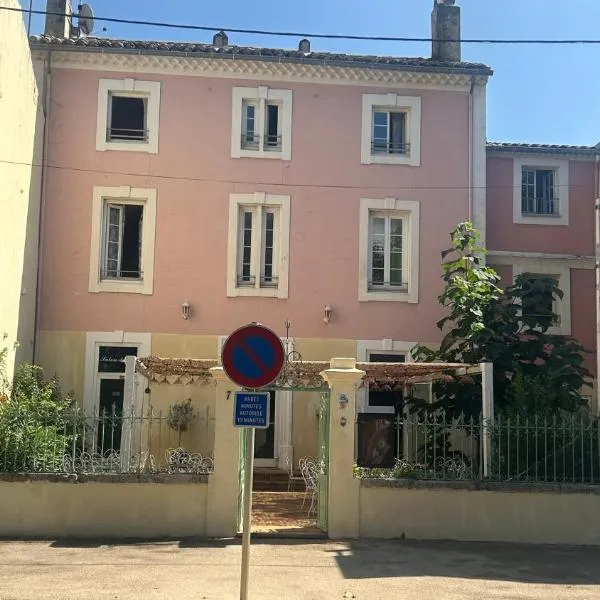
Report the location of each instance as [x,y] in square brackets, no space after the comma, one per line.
[247,522]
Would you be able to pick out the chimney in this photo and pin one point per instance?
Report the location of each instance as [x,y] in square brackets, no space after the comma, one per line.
[58,25]
[445,31]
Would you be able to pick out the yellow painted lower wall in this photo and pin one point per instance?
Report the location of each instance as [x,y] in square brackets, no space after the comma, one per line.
[95,509]
[62,353]
[480,515]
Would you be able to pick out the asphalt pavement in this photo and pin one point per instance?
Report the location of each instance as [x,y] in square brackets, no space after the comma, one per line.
[296,569]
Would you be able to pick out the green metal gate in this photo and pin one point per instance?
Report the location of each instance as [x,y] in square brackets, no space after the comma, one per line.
[323,462]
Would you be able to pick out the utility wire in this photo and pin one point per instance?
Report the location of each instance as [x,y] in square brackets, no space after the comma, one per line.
[330,36]
[275,184]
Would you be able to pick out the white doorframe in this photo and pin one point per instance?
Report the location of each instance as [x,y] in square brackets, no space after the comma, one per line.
[91,388]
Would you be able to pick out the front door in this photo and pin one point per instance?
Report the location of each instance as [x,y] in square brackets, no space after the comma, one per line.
[264,441]
[110,407]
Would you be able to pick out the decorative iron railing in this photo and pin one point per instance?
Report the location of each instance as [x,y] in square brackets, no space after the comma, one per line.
[557,448]
[107,442]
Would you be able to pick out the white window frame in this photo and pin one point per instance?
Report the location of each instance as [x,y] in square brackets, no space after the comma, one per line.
[561,183]
[145,197]
[364,350]
[559,269]
[150,90]
[259,201]
[260,96]
[411,105]
[409,211]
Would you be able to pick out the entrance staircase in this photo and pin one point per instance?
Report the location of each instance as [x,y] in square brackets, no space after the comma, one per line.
[270,479]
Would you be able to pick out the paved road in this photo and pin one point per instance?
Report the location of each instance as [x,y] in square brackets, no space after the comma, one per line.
[368,570]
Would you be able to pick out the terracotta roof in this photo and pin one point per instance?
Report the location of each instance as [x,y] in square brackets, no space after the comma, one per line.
[249,53]
[543,149]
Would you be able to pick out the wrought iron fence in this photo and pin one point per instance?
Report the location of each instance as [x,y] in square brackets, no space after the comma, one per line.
[559,448]
[106,442]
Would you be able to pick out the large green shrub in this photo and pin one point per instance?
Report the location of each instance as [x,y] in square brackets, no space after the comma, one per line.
[35,423]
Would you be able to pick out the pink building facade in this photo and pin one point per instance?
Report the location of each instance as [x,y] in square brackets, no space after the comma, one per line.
[541,220]
[193,188]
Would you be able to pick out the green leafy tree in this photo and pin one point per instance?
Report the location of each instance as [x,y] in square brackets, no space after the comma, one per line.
[506,327]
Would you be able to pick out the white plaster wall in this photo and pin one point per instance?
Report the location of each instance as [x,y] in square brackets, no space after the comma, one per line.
[19,187]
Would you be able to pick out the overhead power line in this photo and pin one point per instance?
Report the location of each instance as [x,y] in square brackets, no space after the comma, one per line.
[330,36]
[273,183]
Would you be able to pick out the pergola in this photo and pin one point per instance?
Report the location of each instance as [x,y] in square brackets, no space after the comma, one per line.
[307,374]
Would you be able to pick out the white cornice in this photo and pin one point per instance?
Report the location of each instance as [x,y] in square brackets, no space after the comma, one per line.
[258,70]
[573,261]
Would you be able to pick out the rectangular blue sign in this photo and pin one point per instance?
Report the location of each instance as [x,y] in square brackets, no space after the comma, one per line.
[251,409]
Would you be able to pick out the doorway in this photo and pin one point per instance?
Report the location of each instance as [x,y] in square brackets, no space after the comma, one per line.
[264,441]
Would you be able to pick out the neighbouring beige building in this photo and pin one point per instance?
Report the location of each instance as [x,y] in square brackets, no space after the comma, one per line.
[21,127]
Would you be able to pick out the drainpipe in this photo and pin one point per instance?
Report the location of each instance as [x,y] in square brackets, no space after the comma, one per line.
[597,269]
[46,95]
[471,149]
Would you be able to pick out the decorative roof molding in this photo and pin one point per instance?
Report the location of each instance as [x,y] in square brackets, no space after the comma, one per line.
[256,69]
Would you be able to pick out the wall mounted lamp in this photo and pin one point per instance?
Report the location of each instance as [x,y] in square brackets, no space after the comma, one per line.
[186,310]
[327,314]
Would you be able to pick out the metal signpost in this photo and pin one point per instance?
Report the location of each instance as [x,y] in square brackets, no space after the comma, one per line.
[252,357]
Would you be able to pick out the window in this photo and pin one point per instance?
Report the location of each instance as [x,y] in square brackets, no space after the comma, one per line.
[547,304]
[389,132]
[389,250]
[541,191]
[250,219]
[390,400]
[536,269]
[261,123]
[128,115]
[122,256]
[258,245]
[122,246]
[127,118]
[538,192]
[386,256]
[391,129]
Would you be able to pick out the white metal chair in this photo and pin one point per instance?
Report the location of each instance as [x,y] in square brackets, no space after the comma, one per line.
[311,479]
[289,464]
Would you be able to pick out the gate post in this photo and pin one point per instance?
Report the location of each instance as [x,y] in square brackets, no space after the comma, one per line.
[343,507]
[223,484]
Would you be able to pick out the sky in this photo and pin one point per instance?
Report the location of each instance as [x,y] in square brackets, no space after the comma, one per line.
[538,94]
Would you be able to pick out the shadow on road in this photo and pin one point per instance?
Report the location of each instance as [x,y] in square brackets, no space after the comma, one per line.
[524,563]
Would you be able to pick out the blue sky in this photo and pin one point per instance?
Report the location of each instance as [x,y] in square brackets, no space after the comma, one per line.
[542,94]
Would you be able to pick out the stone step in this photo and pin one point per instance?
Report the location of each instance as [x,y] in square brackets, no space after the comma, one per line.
[273,480]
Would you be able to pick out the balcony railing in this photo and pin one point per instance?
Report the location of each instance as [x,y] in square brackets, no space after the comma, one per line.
[540,207]
[386,147]
[120,274]
[115,134]
[250,281]
[269,143]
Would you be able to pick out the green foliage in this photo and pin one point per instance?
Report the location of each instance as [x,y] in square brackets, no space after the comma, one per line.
[34,423]
[508,328]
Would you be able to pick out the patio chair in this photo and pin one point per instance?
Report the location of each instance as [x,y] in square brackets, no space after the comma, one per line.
[289,464]
[309,474]
[312,475]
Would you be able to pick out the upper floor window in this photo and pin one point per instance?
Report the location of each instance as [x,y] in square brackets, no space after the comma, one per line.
[122,245]
[128,115]
[261,123]
[389,250]
[538,192]
[391,129]
[258,245]
[541,191]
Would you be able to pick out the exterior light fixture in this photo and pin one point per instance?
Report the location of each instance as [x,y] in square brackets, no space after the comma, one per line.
[186,310]
[327,314]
